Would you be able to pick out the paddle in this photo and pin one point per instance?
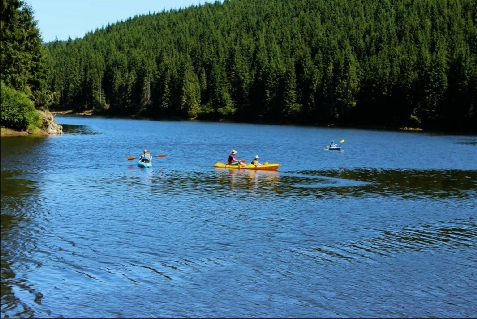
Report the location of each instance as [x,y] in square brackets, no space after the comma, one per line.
[130,158]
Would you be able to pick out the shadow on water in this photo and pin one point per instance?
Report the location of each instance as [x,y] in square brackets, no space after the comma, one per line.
[78,130]
[471,142]
[379,182]
[342,183]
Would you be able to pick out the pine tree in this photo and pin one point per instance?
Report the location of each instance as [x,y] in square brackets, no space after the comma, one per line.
[24,64]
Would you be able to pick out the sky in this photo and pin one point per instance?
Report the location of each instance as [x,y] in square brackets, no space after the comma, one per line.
[60,19]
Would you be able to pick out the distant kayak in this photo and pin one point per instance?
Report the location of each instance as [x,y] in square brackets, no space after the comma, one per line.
[265,167]
[333,146]
[143,164]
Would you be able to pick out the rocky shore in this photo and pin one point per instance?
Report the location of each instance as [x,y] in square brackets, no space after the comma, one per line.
[50,127]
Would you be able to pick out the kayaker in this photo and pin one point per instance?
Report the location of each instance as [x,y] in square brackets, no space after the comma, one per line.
[332,144]
[255,161]
[145,157]
[232,160]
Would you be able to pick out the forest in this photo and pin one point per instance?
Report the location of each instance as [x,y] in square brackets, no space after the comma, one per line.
[303,62]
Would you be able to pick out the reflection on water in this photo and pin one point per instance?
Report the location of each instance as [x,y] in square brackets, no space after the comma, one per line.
[253,180]
[72,129]
[321,183]
[18,207]
[468,142]
[373,182]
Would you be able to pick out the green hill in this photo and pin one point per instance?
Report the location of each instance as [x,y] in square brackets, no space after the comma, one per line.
[368,62]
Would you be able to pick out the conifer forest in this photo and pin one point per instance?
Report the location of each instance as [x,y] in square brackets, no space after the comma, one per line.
[303,62]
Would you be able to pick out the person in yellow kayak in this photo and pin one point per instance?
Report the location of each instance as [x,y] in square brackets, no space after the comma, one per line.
[255,161]
[233,160]
[145,157]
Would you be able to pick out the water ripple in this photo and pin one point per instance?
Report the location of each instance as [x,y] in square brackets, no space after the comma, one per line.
[354,234]
[451,235]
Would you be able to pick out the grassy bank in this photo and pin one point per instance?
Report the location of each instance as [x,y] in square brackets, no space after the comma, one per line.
[9,132]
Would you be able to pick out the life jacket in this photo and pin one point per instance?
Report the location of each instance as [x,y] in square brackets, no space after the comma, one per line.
[231,159]
[146,158]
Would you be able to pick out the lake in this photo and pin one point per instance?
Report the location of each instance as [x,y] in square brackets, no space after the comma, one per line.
[386,227]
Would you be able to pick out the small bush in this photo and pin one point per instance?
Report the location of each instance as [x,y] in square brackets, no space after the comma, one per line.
[17,110]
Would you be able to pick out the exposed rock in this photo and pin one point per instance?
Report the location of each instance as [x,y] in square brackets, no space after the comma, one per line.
[49,124]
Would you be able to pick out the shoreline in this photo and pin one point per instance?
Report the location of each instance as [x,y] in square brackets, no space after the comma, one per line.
[70,112]
[8,132]
[49,127]
[405,128]
[11,132]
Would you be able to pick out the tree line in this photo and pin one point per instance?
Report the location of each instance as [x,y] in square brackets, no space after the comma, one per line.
[23,68]
[373,62]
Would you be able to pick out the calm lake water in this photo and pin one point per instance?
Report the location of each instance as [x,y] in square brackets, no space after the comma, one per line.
[384,228]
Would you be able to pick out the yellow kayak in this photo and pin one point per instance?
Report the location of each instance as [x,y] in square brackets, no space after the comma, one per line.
[266,166]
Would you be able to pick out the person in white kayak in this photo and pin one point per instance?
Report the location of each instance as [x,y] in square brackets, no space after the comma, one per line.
[145,157]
